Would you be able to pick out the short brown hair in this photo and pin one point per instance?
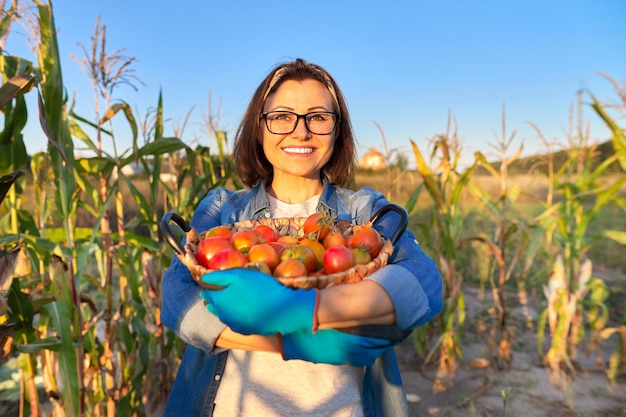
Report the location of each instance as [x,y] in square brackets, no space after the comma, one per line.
[251,164]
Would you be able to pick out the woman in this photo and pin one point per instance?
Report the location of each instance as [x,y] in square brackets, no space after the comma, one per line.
[262,349]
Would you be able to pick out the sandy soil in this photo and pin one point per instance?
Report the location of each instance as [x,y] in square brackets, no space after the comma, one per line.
[525,389]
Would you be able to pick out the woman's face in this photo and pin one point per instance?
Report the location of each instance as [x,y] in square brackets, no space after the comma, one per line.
[299,153]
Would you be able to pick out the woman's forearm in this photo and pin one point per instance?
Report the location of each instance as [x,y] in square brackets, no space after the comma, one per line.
[231,340]
[365,302]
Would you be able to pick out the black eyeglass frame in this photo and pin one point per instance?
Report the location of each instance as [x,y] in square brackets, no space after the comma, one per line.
[298,117]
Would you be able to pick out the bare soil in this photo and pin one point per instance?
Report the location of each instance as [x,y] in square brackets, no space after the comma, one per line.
[526,388]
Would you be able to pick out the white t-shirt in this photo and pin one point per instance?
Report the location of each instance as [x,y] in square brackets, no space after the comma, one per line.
[263,384]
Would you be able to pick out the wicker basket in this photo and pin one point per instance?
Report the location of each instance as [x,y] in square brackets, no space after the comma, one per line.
[286,226]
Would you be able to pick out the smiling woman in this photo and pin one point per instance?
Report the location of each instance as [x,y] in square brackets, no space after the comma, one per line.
[258,347]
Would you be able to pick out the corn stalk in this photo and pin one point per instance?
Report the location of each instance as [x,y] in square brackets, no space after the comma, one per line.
[442,234]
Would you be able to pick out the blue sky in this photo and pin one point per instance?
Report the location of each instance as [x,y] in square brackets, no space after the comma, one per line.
[405,65]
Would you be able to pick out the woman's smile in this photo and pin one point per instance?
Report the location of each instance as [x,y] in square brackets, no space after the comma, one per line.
[299,150]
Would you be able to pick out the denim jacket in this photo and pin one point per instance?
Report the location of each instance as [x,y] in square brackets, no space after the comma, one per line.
[411,279]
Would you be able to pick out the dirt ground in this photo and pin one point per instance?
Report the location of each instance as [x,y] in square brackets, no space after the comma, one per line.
[525,389]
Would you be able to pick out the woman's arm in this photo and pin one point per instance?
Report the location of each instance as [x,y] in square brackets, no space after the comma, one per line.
[365,302]
[231,340]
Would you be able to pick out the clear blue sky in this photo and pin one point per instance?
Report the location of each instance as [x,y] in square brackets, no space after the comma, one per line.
[402,64]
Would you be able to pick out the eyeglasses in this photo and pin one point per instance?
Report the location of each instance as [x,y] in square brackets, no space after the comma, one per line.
[285,122]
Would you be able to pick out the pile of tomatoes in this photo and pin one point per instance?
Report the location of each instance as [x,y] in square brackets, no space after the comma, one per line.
[322,249]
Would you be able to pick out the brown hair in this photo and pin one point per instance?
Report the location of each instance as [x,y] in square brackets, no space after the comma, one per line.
[251,164]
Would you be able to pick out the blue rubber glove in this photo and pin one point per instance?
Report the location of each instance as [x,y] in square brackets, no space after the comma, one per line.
[256,303]
[333,347]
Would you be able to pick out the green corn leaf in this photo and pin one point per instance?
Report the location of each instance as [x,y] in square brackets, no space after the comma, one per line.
[461,184]
[412,201]
[619,139]
[616,235]
[138,241]
[59,312]
[484,198]
[427,176]
[48,343]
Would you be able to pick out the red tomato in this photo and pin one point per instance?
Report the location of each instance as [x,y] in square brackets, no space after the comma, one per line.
[208,247]
[318,225]
[361,256]
[264,252]
[219,231]
[367,237]
[290,268]
[337,259]
[317,247]
[334,238]
[227,258]
[302,253]
[243,240]
[265,233]
[279,246]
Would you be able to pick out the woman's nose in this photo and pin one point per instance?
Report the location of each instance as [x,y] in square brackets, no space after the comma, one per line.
[301,130]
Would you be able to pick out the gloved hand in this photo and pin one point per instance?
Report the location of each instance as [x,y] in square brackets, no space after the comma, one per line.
[255,303]
[332,347]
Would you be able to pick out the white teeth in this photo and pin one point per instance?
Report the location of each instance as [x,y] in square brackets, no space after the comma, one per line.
[298,150]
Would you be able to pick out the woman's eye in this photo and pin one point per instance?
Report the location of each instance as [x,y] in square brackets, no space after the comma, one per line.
[319,117]
[282,116]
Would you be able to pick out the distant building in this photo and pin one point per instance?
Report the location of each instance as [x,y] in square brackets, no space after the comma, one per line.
[373,160]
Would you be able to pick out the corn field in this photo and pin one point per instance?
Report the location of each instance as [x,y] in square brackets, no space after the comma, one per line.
[82,259]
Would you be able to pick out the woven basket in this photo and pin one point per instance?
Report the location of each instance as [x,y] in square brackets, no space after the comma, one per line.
[284,227]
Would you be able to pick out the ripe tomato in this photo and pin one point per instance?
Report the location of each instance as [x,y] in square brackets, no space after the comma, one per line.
[361,256]
[279,246]
[302,253]
[367,237]
[290,268]
[243,240]
[317,247]
[318,225]
[337,259]
[334,238]
[219,231]
[227,258]
[264,252]
[288,240]
[208,247]
[265,233]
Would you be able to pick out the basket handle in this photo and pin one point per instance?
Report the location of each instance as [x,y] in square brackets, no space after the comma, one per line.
[390,332]
[166,231]
[404,220]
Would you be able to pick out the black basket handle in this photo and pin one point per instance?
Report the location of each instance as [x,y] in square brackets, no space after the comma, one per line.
[404,220]
[166,231]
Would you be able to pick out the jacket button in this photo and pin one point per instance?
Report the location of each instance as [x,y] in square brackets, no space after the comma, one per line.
[217,377]
[268,214]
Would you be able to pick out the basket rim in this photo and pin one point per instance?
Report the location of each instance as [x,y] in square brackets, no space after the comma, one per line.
[290,224]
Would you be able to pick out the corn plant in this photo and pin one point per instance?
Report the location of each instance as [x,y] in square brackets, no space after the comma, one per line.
[442,234]
[617,362]
[510,238]
[582,193]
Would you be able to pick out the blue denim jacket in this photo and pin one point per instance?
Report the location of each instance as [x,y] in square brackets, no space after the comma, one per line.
[411,280]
